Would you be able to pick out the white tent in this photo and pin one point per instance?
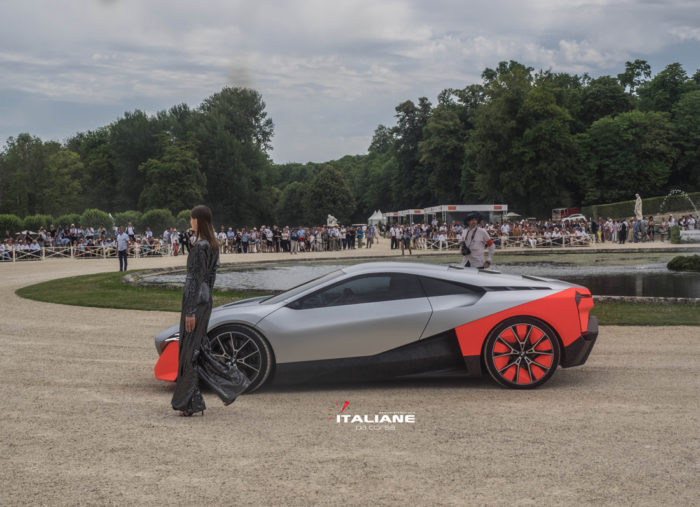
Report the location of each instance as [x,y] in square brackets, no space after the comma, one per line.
[376,218]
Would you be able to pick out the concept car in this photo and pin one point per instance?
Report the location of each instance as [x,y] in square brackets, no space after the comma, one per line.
[392,319]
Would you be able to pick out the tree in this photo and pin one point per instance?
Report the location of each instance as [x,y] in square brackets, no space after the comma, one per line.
[496,129]
[603,96]
[409,182]
[545,154]
[24,178]
[234,135]
[636,73]
[631,153]
[442,153]
[133,140]
[686,120]
[290,207]
[174,180]
[329,193]
[665,89]
[63,175]
[99,178]
[382,141]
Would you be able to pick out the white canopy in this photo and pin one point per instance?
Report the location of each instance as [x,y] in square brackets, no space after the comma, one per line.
[376,217]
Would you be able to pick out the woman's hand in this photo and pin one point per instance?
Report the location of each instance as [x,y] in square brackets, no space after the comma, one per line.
[189,324]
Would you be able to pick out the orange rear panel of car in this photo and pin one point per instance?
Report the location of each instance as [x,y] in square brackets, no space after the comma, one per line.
[558,310]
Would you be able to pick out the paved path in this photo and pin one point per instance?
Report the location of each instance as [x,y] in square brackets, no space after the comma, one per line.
[84,422]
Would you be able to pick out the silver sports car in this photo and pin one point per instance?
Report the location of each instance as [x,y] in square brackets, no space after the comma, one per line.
[392,319]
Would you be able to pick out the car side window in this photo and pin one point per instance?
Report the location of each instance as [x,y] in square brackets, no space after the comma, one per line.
[363,289]
[438,287]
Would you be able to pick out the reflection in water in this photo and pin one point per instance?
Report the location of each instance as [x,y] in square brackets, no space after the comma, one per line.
[642,280]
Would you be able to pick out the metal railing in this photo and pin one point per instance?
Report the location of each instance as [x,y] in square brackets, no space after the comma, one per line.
[78,252]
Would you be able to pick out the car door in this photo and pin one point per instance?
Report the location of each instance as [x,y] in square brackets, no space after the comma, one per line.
[359,316]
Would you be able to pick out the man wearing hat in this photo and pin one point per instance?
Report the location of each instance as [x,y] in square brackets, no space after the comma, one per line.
[474,241]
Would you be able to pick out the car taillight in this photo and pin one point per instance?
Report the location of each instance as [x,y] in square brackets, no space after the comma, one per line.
[584,303]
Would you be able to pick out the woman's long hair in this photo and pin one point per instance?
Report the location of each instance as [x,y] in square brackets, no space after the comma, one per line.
[205,229]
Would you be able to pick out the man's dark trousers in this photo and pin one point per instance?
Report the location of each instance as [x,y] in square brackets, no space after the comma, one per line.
[122,260]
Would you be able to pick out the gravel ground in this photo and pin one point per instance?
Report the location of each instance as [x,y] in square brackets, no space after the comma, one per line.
[85,422]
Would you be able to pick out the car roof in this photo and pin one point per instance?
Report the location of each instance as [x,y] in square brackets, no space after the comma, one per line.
[471,276]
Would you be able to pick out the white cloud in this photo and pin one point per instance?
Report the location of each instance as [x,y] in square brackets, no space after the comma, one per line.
[329,71]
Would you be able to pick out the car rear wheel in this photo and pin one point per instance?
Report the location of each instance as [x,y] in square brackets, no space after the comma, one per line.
[247,348]
[522,353]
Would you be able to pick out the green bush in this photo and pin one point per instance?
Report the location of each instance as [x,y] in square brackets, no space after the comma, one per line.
[125,217]
[96,218]
[158,220]
[675,234]
[182,222]
[687,263]
[35,222]
[11,223]
[67,219]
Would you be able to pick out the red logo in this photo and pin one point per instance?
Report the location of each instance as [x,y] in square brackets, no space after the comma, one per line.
[333,409]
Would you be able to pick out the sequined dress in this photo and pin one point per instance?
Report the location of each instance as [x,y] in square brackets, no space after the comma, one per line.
[196,361]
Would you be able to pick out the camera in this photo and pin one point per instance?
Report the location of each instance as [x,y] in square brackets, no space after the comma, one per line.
[465,249]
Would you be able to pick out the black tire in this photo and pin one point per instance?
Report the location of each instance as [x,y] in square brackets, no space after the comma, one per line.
[248,348]
[522,353]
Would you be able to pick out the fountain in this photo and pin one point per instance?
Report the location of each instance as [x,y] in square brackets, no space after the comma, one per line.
[678,192]
[690,236]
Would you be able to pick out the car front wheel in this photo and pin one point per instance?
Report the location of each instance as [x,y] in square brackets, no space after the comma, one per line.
[247,348]
[522,353]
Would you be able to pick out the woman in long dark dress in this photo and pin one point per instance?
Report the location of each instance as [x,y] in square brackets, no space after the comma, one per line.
[196,361]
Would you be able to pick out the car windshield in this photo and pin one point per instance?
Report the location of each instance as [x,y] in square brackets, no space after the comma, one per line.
[303,287]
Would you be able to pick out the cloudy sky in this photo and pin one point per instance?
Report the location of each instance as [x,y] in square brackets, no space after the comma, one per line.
[329,71]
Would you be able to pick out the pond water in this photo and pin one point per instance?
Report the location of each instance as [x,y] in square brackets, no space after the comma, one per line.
[639,280]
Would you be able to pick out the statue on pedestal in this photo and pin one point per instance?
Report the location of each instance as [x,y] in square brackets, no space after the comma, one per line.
[331,221]
[638,208]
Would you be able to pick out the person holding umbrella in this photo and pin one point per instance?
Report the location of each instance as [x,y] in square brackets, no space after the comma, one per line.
[475,242]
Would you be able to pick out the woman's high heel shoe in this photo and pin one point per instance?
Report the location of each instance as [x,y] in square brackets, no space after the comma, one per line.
[185,413]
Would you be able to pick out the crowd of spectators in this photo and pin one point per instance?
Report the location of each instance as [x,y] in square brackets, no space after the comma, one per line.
[80,242]
[296,240]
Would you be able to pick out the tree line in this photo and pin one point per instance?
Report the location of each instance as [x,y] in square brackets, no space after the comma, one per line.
[533,140]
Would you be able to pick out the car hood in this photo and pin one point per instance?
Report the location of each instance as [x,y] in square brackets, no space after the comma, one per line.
[246,311]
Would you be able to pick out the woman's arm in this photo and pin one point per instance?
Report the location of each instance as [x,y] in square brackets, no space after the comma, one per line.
[195,277]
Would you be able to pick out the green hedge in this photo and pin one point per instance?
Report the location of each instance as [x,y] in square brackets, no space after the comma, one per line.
[67,220]
[11,223]
[35,222]
[125,217]
[182,221]
[650,206]
[158,220]
[687,263]
[96,218]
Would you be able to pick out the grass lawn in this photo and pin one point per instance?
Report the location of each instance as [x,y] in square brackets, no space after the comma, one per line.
[643,314]
[106,290]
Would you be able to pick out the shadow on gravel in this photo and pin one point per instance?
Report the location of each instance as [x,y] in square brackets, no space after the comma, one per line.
[424,382]
[562,380]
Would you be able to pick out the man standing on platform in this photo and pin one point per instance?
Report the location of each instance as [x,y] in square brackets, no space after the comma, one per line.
[474,242]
